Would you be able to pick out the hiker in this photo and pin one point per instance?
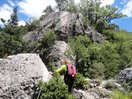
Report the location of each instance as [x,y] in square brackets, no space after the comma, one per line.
[69,72]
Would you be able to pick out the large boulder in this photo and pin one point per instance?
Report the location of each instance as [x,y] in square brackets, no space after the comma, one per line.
[19,75]
[64,24]
[32,36]
[59,51]
[125,76]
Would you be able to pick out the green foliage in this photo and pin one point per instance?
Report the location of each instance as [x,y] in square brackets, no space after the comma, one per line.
[97,70]
[31,46]
[48,39]
[48,10]
[127,86]
[11,40]
[97,15]
[11,36]
[121,95]
[79,44]
[13,21]
[66,5]
[41,46]
[61,4]
[116,36]
[51,67]
[80,82]
[32,25]
[123,46]
[54,89]
[14,18]
[103,60]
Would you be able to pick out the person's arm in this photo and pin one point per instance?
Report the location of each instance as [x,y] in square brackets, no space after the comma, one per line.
[61,69]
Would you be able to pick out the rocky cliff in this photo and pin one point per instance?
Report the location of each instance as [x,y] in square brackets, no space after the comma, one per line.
[125,76]
[64,24]
[19,75]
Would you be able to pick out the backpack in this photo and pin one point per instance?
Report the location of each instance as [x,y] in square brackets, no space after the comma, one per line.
[71,70]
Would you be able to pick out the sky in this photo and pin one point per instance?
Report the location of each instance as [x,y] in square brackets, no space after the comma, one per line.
[28,9]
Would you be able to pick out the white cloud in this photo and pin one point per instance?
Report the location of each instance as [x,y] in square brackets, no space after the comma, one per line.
[34,8]
[127,10]
[7,7]
[11,3]
[5,12]
[104,2]
[21,23]
[77,1]
[107,2]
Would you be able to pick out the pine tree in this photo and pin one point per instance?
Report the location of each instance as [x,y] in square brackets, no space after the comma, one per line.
[14,18]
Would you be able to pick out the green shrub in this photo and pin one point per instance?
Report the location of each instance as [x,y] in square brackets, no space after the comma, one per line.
[80,82]
[127,86]
[54,89]
[121,95]
[32,25]
[97,70]
[51,67]
[48,39]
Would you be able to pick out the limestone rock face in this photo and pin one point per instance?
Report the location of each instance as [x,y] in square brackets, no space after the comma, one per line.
[98,89]
[80,94]
[125,76]
[32,36]
[19,75]
[60,51]
[64,24]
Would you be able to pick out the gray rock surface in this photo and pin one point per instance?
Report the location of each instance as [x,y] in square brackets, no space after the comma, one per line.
[97,89]
[125,76]
[111,84]
[64,24]
[19,75]
[60,50]
[80,94]
[32,35]
[91,94]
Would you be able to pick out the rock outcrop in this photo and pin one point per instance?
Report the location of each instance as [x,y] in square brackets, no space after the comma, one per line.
[64,24]
[60,50]
[98,89]
[19,75]
[81,94]
[125,76]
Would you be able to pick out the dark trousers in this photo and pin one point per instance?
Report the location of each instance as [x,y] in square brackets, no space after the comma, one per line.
[69,80]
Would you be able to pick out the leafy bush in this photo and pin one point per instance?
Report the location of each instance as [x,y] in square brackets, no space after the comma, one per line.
[48,39]
[79,46]
[80,82]
[51,67]
[97,70]
[54,89]
[127,86]
[93,60]
[32,25]
[121,95]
